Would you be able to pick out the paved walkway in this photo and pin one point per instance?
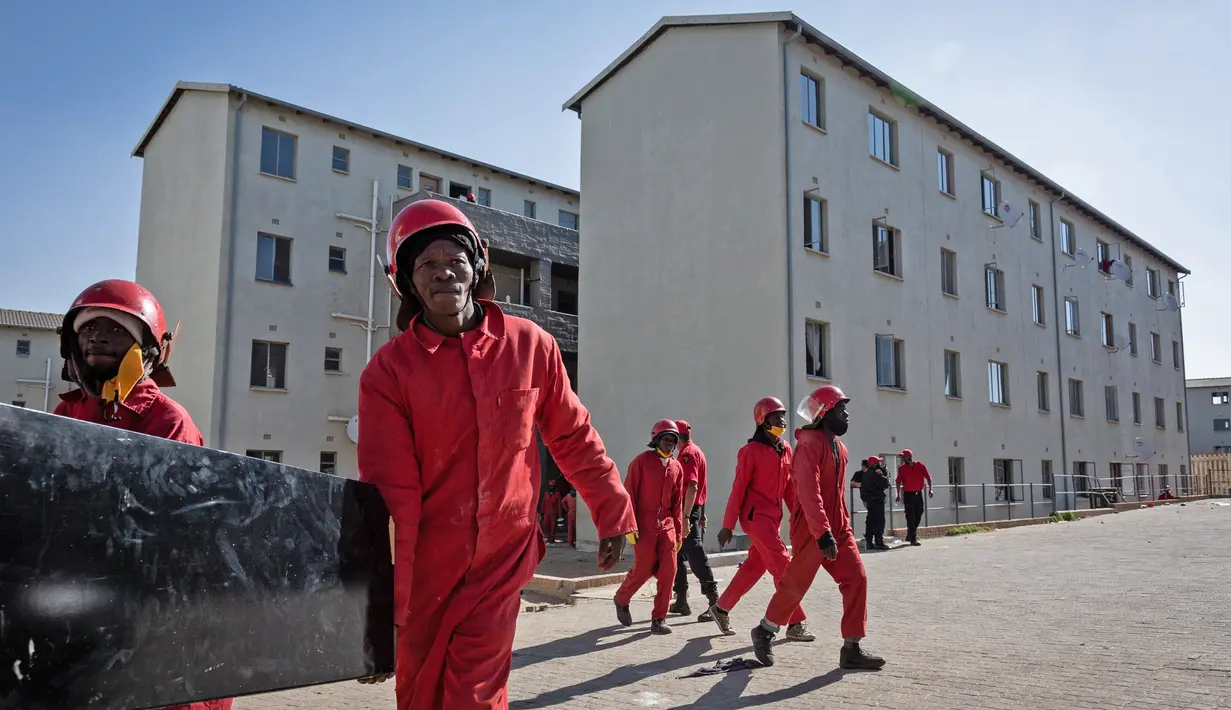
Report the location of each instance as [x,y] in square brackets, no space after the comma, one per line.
[1121,611]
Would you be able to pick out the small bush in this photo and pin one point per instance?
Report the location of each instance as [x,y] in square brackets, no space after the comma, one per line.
[1067,516]
[966,530]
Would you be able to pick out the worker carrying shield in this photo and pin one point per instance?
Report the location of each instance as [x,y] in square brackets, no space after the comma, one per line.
[655,482]
[447,417]
[821,534]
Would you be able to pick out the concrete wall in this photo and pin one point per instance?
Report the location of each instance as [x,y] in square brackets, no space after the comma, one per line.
[1202,412]
[44,346]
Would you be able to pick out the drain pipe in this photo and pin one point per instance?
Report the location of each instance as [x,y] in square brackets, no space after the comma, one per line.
[234,238]
[1060,379]
[790,221]
[1188,424]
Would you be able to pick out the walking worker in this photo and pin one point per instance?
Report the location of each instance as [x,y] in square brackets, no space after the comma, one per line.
[569,505]
[873,484]
[692,461]
[655,483]
[911,479]
[762,484]
[821,534]
[551,511]
[115,345]
[447,416]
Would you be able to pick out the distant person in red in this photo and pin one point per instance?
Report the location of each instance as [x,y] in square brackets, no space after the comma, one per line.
[447,416]
[762,484]
[821,534]
[1167,494]
[655,482]
[569,505]
[692,461]
[551,511]
[912,477]
[115,345]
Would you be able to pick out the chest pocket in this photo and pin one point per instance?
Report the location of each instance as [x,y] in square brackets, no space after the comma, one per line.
[517,418]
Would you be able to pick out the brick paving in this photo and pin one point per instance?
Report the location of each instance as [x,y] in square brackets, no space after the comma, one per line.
[1131,610]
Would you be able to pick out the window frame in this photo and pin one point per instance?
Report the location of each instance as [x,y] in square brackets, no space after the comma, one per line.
[814,222]
[1077,398]
[952,364]
[896,354]
[271,347]
[811,106]
[823,371]
[345,155]
[998,381]
[277,240]
[882,130]
[277,134]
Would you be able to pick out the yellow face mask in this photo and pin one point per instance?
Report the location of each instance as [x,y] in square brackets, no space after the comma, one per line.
[663,454]
[132,370]
[777,430]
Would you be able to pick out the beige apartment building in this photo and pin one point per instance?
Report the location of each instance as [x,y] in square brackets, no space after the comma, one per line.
[259,222]
[1209,415]
[30,363]
[785,215]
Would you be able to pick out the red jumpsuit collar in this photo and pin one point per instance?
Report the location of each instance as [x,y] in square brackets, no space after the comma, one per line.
[139,400]
[491,327]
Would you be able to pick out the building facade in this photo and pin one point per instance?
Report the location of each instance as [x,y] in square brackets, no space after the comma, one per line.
[1209,415]
[30,362]
[259,222]
[794,217]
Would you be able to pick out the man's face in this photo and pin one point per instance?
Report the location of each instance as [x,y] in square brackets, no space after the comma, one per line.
[104,344]
[684,439]
[776,419]
[442,276]
[908,459]
[667,443]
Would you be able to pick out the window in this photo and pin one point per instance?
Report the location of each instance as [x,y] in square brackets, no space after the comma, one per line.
[957,481]
[1141,476]
[889,362]
[994,287]
[1004,479]
[1156,348]
[1160,413]
[1132,339]
[882,138]
[885,247]
[944,171]
[329,462]
[1175,354]
[1072,317]
[1137,408]
[1102,256]
[404,177]
[1185,482]
[529,209]
[1068,237]
[1170,287]
[1179,416]
[429,183]
[1044,391]
[1153,288]
[1116,474]
[566,302]
[1222,425]
[337,260]
[811,100]
[19,403]
[953,374]
[1162,476]
[1081,478]
[277,153]
[1039,313]
[816,346]
[273,259]
[341,160]
[1111,400]
[991,196]
[483,196]
[333,359]
[23,348]
[815,217]
[568,220]
[268,365]
[1220,398]
[998,383]
[1077,402]
[1128,261]
[1046,478]
[510,283]
[1032,212]
[275,456]
[948,272]
[458,191]
[1107,330]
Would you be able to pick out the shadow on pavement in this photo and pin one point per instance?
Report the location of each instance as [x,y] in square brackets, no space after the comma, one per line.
[578,645]
[794,691]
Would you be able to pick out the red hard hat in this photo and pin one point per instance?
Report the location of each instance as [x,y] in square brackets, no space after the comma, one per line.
[905,453]
[765,407]
[873,460]
[815,405]
[423,215]
[684,427]
[133,299]
[663,426]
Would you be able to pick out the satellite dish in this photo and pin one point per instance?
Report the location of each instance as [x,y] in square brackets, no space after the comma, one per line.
[1081,253]
[1010,213]
[1120,271]
[352,429]
[1082,256]
[1142,448]
[1171,303]
[1119,342]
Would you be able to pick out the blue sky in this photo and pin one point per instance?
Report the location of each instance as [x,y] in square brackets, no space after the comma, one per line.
[1123,103]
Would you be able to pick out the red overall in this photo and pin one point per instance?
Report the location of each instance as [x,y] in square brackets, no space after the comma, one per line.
[762,483]
[569,504]
[656,486]
[551,514]
[819,472]
[447,433]
[146,410]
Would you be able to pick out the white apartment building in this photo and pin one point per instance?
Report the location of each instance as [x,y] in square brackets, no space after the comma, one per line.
[254,231]
[1209,415]
[30,363]
[784,215]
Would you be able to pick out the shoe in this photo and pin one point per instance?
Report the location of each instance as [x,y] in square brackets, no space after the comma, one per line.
[659,626]
[761,645]
[624,615]
[915,543]
[680,606]
[708,614]
[868,544]
[854,658]
[799,632]
[722,619]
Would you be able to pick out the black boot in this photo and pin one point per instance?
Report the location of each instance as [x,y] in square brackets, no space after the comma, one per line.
[680,605]
[880,544]
[723,619]
[624,616]
[708,614]
[762,640]
[868,544]
[854,658]
[659,626]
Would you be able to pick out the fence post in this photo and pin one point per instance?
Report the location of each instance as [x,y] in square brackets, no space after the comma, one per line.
[983,503]
[957,503]
[891,515]
[1009,509]
[1031,485]
[926,505]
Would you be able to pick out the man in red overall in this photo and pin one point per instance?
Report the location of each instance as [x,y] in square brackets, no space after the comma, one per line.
[569,505]
[447,417]
[762,484]
[821,534]
[551,511]
[115,345]
[912,477]
[655,482]
[692,461]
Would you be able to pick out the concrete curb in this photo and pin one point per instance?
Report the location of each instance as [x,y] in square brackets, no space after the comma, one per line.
[565,587]
[943,530]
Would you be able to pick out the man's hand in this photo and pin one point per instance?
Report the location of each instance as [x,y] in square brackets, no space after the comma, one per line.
[610,550]
[687,529]
[678,546]
[897,498]
[373,679]
[929,493]
[703,523]
[829,546]
[724,537]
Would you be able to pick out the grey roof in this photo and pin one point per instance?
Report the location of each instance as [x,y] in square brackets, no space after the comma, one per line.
[183,86]
[882,80]
[30,320]
[1208,382]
